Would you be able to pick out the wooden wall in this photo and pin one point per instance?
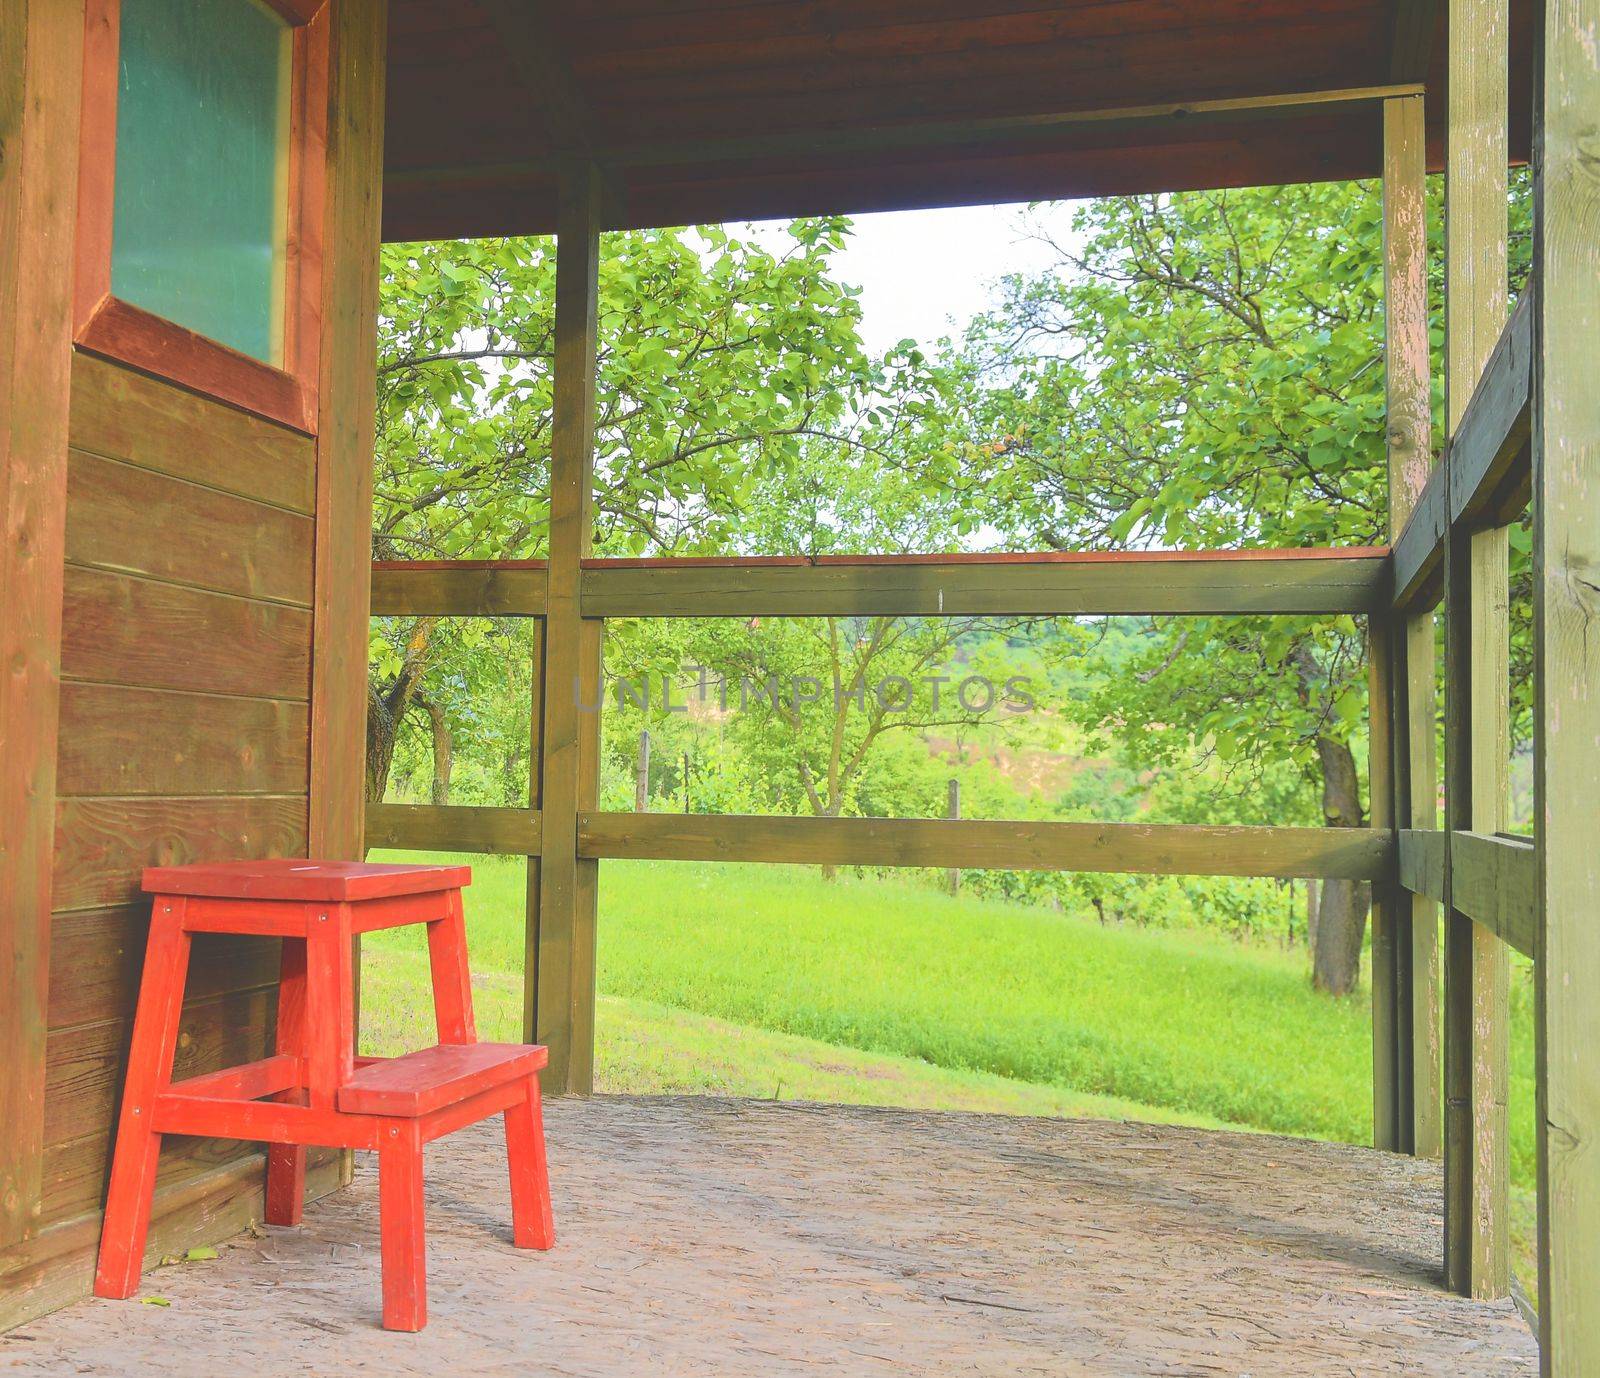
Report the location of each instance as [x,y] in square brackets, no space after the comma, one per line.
[197,686]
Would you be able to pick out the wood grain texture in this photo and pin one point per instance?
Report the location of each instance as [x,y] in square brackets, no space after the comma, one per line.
[1269,583]
[1492,882]
[97,954]
[121,741]
[102,844]
[1566,562]
[117,629]
[40,90]
[1476,1042]
[347,398]
[1413,949]
[454,828]
[57,1267]
[1130,848]
[1422,861]
[564,913]
[120,414]
[422,590]
[129,520]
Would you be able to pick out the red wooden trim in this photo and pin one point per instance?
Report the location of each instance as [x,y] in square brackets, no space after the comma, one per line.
[248,1081]
[495,1101]
[257,1121]
[400,910]
[262,918]
[433,1078]
[1031,557]
[131,335]
[128,334]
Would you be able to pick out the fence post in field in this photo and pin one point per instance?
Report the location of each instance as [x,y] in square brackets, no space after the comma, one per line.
[641,777]
[953,811]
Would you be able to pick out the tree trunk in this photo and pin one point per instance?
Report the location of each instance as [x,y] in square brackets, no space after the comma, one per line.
[1342,911]
[444,752]
[387,704]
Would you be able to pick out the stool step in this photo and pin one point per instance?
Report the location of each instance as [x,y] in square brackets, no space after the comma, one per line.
[423,1081]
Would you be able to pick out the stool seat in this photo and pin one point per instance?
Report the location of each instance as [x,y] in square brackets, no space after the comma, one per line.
[432,1078]
[288,878]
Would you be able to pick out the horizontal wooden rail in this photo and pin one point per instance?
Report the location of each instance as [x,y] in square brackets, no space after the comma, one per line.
[458,588]
[1487,474]
[1311,582]
[1491,878]
[1133,848]
[1493,882]
[454,828]
[1422,862]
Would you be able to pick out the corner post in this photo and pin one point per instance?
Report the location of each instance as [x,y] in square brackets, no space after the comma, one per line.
[1409,429]
[1476,978]
[40,99]
[563,924]
[1566,583]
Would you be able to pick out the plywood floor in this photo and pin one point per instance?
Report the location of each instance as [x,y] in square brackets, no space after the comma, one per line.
[731,1237]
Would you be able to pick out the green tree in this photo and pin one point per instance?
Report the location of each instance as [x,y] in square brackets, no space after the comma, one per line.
[717,359]
[1205,371]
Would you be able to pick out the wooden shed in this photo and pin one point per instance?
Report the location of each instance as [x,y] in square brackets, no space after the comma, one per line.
[193,196]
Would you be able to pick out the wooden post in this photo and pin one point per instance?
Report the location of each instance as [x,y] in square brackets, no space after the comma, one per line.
[641,776]
[1566,504]
[1476,1045]
[953,810]
[347,410]
[1386,1047]
[1410,447]
[563,919]
[40,95]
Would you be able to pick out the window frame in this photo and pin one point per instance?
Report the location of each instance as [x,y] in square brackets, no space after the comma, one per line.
[129,334]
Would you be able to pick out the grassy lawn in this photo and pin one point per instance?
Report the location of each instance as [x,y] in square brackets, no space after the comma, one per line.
[769,982]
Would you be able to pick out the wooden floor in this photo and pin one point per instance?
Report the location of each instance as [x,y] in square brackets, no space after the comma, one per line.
[734,1237]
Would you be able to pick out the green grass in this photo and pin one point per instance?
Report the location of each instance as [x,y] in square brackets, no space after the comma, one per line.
[769,981]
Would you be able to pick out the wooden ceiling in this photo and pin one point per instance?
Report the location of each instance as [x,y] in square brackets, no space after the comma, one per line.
[750,109]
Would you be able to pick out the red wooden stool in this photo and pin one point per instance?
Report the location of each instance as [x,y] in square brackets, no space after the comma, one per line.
[314,1090]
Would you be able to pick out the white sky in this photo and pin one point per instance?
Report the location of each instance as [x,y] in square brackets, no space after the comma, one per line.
[925,274]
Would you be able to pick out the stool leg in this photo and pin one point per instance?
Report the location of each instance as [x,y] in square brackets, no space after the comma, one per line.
[155,1038]
[532,1221]
[286,1163]
[401,1227]
[452,981]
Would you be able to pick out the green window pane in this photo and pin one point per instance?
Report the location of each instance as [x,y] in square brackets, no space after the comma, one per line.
[202,168]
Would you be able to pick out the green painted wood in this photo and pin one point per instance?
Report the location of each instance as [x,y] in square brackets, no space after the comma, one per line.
[1566,445]
[1476,1044]
[1128,848]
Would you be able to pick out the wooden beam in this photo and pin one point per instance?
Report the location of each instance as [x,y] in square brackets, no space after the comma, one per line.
[1308,582]
[1409,411]
[1486,481]
[1477,752]
[545,70]
[1422,861]
[40,99]
[1059,128]
[563,921]
[454,828]
[1566,558]
[1492,883]
[971,844]
[347,407]
[1411,39]
[458,588]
